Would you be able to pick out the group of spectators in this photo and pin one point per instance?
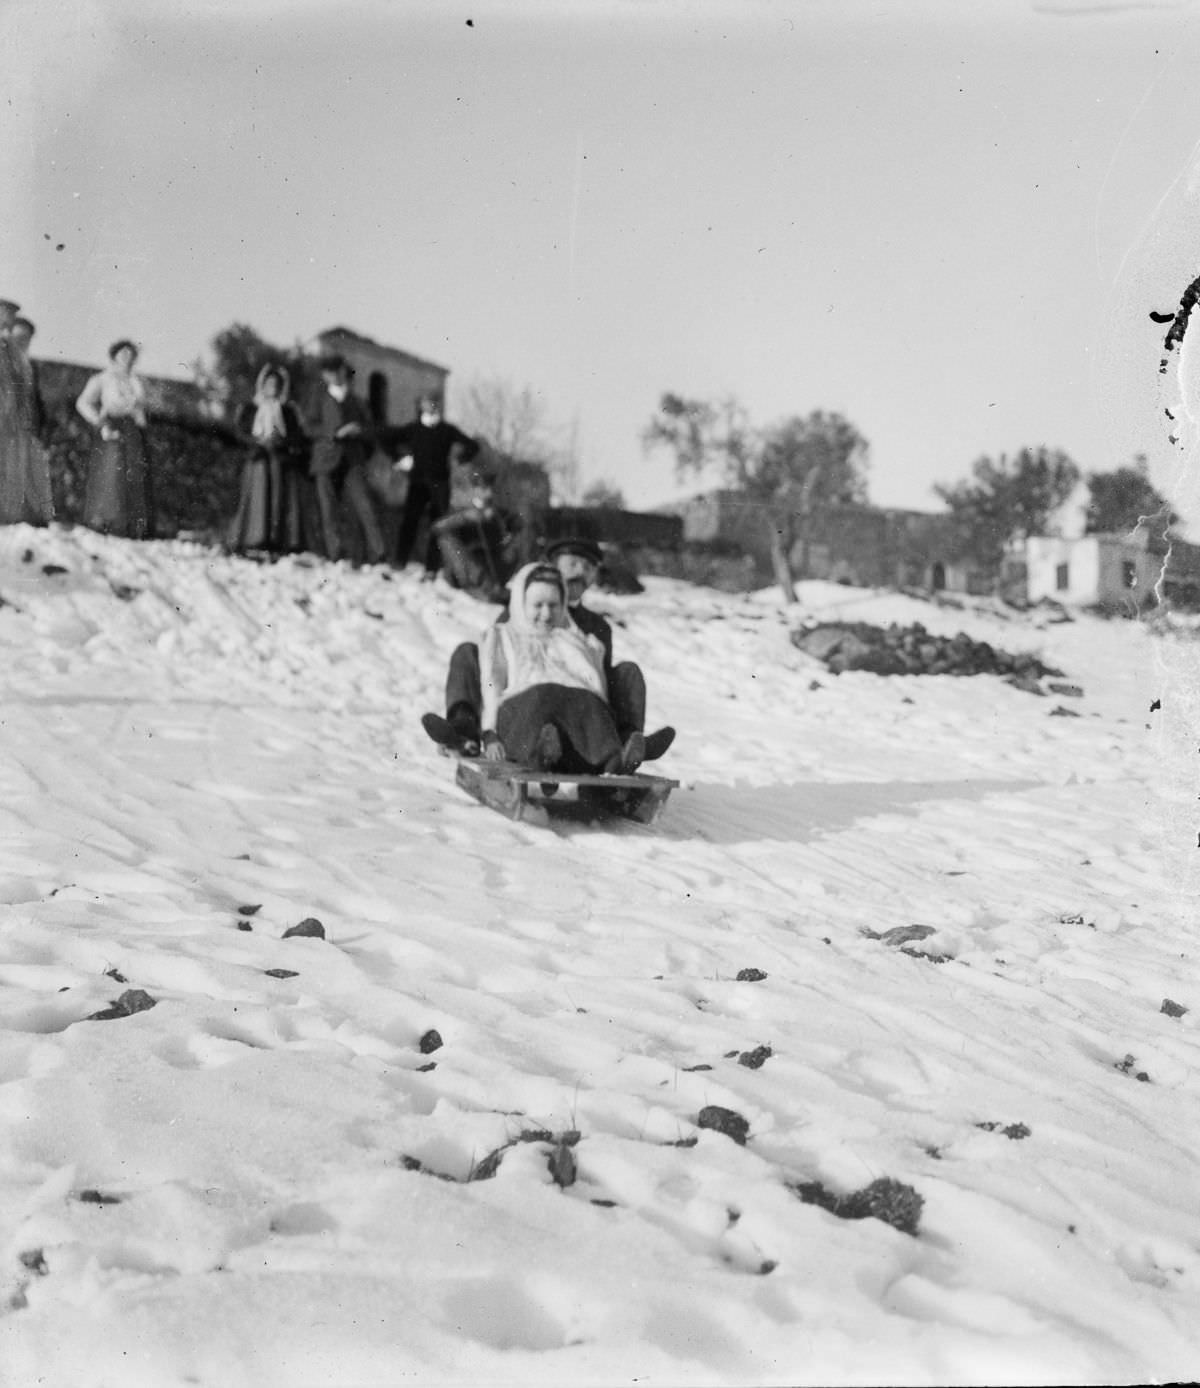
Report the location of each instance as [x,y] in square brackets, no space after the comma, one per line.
[307,471]
[317,475]
[313,471]
[323,451]
[118,497]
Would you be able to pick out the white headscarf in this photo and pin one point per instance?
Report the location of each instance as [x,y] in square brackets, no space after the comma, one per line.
[546,573]
[513,656]
[268,416]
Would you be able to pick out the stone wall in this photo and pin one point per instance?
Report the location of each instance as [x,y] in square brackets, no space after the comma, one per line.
[868,546]
[62,381]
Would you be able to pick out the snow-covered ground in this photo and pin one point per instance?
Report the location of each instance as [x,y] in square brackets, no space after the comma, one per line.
[276,1181]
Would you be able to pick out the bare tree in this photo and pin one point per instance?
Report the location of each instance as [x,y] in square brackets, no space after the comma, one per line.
[515,424]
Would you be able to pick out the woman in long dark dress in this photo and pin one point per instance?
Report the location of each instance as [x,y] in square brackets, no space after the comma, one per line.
[270,513]
[119,499]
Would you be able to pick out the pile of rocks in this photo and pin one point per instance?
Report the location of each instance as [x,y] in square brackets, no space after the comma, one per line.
[911,650]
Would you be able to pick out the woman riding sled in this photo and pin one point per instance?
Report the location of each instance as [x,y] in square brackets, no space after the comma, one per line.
[543,686]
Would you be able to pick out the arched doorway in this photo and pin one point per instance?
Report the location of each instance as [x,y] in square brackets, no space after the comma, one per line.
[937,576]
[377,397]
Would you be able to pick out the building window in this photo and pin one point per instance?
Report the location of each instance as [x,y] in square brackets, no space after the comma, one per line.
[377,397]
[1062,577]
[1128,573]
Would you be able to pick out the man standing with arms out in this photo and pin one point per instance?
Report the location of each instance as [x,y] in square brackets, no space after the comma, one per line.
[340,429]
[429,438]
[578,560]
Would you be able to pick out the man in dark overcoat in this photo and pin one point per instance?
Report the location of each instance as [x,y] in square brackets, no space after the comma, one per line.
[430,440]
[339,426]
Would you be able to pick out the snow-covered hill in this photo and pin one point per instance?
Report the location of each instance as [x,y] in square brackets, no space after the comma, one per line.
[279,1176]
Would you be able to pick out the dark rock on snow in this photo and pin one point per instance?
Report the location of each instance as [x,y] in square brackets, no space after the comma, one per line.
[891,1201]
[131,1000]
[1014,1131]
[755,1059]
[896,650]
[724,1120]
[310,927]
[900,934]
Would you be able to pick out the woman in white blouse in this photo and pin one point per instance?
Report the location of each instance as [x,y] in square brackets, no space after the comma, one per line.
[119,499]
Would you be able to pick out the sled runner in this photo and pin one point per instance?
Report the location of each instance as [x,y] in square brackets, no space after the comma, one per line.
[519,793]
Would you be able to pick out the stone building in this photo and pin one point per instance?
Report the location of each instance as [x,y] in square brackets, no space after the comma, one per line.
[867,546]
[390,380]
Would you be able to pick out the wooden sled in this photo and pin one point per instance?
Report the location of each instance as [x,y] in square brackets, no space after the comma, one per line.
[518,793]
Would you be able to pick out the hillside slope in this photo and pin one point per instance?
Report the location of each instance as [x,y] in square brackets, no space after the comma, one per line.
[276,1178]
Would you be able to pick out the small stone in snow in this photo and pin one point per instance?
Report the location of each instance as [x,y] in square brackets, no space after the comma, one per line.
[724,1120]
[131,1000]
[281,973]
[430,1042]
[1172,1009]
[309,928]
[750,976]
[755,1059]
[901,934]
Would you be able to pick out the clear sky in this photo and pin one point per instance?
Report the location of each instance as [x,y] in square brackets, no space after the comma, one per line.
[932,217]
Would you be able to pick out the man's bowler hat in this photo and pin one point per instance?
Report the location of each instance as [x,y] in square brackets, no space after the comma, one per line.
[576,544]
